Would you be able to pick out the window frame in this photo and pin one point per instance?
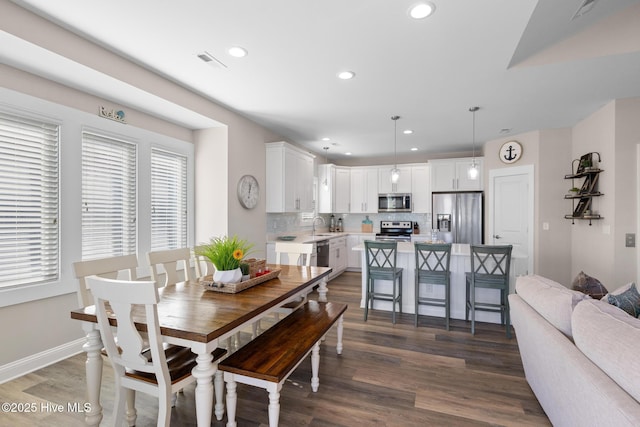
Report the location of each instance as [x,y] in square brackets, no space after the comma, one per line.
[72,123]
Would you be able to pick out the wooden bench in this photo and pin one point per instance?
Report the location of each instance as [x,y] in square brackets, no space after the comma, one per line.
[268,360]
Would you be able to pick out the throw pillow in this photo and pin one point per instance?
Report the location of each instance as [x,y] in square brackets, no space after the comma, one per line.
[628,301]
[589,285]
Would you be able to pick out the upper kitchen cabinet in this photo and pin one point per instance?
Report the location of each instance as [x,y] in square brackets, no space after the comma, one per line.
[289,178]
[364,190]
[451,175]
[342,189]
[333,189]
[384,180]
[421,188]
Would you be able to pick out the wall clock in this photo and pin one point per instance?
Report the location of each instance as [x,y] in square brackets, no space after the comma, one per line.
[248,191]
[510,152]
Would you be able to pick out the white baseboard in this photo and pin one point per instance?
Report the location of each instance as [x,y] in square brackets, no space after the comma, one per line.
[37,361]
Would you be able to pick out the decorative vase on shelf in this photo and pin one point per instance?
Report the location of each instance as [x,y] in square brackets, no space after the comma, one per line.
[227,276]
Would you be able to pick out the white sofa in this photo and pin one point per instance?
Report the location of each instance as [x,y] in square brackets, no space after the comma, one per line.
[581,356]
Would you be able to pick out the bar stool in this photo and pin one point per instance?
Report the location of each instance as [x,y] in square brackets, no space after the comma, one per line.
[381,260]
[432,267]
[489,269]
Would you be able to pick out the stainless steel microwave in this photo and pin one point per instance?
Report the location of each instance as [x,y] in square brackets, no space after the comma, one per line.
[394,202]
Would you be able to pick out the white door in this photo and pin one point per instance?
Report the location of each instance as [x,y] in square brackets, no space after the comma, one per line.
[511,214]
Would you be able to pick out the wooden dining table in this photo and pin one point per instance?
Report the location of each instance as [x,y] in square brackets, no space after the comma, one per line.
[191,315]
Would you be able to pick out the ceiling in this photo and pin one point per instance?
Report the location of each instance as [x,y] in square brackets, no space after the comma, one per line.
[527,64]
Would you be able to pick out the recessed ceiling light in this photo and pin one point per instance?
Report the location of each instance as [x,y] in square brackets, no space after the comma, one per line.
[407,131]
[414,148]
[237,52]
[346,75]
[422,10]
[326,139]
[348,153]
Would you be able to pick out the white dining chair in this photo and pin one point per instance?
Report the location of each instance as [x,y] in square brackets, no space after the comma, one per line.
[297,254]
[294,252]
[202,265]
[117,267]
[170,260]
[139,366]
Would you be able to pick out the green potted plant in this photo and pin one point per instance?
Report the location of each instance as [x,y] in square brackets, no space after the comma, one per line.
[574,191]
[226,254]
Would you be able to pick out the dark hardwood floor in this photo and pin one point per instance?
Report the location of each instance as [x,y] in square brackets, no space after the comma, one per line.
[388,375]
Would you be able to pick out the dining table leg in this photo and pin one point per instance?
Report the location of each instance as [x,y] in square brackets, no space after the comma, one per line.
[218,384]
[203,372]
[93,367]
[322,290]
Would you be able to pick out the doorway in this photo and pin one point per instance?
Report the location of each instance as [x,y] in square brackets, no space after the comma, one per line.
[511,213]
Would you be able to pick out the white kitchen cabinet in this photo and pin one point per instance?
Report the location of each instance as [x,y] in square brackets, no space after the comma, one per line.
[364,190]
[421,188]
[451,175]
[338,255]
[384,180]
[289,178]
[334,196]
[342,189]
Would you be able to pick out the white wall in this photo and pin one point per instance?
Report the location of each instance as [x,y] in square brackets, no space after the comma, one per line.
[549,153]
[244,154]
[598,249]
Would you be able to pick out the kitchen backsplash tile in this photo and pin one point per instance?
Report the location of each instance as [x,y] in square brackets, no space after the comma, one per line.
[298,223]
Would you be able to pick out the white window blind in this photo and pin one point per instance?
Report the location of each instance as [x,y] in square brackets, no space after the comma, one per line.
[29,193]
[168,200]
[108,197]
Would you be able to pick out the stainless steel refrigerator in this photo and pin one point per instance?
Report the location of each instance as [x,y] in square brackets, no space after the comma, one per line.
[458,217]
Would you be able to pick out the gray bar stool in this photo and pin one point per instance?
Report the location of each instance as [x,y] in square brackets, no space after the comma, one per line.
[432,267]
[381,260]
[489,269]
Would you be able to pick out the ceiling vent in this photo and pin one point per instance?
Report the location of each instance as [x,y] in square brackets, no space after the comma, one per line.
[210,59]
[585,7]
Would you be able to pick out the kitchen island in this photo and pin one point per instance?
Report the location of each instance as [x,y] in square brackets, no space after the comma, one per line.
[459,265]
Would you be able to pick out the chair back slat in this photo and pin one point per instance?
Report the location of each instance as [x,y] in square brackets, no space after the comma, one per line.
[297,253]
[170,260]
[202,265]
[381,255]
[491,262]
[117,267]
[117,298]
[433,257]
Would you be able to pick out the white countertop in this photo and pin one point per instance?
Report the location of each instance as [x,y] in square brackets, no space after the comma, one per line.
[308,238]
[457,249]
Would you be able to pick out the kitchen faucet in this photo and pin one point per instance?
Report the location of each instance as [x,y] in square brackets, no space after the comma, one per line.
[313,225]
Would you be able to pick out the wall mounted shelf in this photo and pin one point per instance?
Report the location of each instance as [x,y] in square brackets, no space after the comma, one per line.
[581,199]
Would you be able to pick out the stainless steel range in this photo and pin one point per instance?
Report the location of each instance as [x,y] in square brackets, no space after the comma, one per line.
[395,231]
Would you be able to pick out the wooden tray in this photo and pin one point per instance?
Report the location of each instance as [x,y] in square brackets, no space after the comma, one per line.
[233,288]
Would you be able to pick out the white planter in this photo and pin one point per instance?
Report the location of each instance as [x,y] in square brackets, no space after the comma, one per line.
[227,276]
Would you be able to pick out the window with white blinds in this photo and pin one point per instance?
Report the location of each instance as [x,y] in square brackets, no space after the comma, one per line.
[168,200]
[29,201]
[108,197]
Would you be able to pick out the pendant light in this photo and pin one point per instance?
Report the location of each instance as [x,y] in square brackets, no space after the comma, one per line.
[395,172]
[472,172]
[325,183]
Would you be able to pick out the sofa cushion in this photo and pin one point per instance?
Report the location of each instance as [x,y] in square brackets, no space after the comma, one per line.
[629,300]
[610,338]
[588,285]
[550,299]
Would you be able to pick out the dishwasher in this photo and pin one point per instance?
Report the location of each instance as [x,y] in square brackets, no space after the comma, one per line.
[322,250]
